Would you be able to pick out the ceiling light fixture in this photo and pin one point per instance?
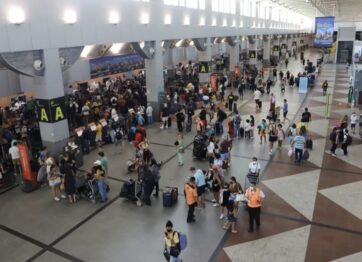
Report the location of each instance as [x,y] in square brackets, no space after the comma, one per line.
[145,19]
[70,17]
[16,16]
[178,43]
[115,48]
[86,51]
[113,18]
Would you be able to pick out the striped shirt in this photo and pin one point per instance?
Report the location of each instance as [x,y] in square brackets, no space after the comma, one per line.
[299,142]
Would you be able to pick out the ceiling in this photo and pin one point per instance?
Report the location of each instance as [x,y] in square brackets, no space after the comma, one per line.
[343,10]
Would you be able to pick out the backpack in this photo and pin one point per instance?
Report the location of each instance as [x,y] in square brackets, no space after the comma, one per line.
[182,241]
[332,137]
[349,140]
[119,134]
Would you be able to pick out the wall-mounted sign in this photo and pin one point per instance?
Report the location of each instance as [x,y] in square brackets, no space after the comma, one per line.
[252,54]
[324,27]
[51,111]
[204,67]
[276,48]
[284,46]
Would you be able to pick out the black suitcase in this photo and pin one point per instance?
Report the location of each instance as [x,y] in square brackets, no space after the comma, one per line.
[309,144]
[167,199]
[259,104]
[169,121]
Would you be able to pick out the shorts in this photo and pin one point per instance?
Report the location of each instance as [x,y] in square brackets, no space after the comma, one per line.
[164,119]
[98,138]
[16,162]
[353,125]
[224,156]
[201,190]
[285,114]
[262,133]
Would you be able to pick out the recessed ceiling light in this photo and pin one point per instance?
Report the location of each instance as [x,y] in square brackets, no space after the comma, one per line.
[16,15]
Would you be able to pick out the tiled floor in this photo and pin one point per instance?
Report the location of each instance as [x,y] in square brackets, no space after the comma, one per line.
[312,212]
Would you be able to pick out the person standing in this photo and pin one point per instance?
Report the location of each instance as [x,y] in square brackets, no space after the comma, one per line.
[200,184]
[104,161]
[155,169]
[354,120]
[165,113]
[231,99]
[180,119]
[180,149]
[15,156]
[333,137]
[299,144]
[285,111]
[281,136]
[254,196]
[237,125]
[272,102]
[69,179]
[347,140]
[149,112]
[269,83]
[100,176]
[191,199]
[257,95]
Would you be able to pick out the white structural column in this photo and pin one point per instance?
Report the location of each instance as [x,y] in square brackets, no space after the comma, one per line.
[290,43]
[205,56]
[234,56]
[266,51]
[49,92]
[154,78]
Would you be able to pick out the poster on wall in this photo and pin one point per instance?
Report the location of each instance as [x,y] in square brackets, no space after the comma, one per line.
[324,27]
[110,65]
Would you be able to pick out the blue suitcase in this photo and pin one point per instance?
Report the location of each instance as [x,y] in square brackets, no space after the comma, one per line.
[167,199]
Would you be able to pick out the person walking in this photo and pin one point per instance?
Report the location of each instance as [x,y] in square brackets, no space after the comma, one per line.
[272,102]
[100,176]
[231,99]
[285,111]
[180,149]
[191,199]
[155,169]
[262,131]
[306,116]
[299,144]
[237,125]
[354,120]
[172,243]
[281,136]
[180,119]
[165,114]
[15,156]
[69,179]
[254,196]
[325,86]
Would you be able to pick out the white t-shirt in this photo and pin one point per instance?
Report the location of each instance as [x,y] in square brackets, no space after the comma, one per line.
[354,119]
[247,126]
[254,167]
[257,95]
[218,162]
[149,111]
[210,148]
[14,152]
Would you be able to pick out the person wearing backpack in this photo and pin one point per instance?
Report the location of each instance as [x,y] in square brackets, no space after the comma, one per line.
[172,244]
[347,140]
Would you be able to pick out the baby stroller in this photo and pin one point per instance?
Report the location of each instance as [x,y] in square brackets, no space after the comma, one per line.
[249,179]
[132,190]
[199,150]
[87,187]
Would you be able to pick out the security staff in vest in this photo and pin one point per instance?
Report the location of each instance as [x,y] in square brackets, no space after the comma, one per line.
[254,196]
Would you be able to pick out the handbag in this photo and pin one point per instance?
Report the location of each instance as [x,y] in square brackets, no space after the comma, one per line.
[273,138]
[290,152]
[166,254]
[174,252]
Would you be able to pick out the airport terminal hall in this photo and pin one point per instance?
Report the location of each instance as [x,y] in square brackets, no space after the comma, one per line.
[180,130]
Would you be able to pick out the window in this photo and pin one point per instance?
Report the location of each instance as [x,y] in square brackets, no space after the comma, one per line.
[245,7]
[215,5]
[275,14]
[202,4]
[253,8]
[233,7]
[192,4]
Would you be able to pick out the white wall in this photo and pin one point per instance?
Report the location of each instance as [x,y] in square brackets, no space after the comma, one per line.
[358,25]
[44,26]
[9,83]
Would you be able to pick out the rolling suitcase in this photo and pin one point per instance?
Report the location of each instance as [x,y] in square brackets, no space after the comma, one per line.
[242,132]
[169,121]
[259,104]
[167,199]
[174,193]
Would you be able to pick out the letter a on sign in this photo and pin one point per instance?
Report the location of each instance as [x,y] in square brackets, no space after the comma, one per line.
[58,114]
[43,115]
[202,69]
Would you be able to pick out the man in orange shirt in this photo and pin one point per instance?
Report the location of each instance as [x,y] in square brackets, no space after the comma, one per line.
[254,196]
[191,198]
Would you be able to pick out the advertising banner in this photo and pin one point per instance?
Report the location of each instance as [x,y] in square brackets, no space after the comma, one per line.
[110,65]
[303,85]
[324,27]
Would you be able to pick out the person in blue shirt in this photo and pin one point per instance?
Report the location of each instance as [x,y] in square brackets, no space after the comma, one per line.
[285,111]
[200,184]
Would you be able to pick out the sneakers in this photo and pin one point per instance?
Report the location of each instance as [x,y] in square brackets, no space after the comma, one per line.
[221,216]
[57,199]
[333,154]
[63,196]
[213,201]
[215,205]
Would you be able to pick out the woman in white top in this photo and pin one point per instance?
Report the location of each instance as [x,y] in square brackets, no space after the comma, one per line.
[210,151]
[354,120]
[292,132]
